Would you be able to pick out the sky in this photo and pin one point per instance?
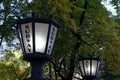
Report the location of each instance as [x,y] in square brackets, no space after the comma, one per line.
[109,7]
[29,0]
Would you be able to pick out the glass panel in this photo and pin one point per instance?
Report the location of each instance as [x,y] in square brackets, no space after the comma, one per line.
[27,37]
[52,36]
[87,67]
[94,66]
[82,68]
[98,65]
[41,32]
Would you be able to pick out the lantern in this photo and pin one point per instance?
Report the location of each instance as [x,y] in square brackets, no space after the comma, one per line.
[89,67]
[37,37]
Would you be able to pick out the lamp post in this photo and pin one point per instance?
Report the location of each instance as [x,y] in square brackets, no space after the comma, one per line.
[89,67]
[37,37]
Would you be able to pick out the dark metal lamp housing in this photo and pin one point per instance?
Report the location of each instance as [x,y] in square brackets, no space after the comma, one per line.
[37,37]
[89,67]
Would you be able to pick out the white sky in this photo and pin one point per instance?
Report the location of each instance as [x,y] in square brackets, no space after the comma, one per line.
[29,0]
[110,8]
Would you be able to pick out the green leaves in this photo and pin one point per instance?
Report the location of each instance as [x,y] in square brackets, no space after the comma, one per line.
[12,67]
[98,32]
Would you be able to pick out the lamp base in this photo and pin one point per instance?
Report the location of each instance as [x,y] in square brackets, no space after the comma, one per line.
[37,57]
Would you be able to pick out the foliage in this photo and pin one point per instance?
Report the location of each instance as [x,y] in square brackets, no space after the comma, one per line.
[86,28]
[10,12]
[12,67]
[116,58]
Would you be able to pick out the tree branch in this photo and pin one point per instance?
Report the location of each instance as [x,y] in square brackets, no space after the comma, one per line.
[1,1]
[83,13]
[79,38]
[74,51]
[1,40]
[57,71]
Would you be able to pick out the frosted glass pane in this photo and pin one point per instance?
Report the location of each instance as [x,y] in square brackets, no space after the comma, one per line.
[53,32]
[27,37]
[41,32]
[87,67]
[82,68]
[94,66]
[98,65]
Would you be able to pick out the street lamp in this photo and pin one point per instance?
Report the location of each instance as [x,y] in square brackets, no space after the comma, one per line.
[37,37]
[89,67]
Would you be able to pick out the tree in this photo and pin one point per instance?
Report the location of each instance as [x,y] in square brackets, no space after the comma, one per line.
[115,4]
[86,28]
[10,12]
[12,67]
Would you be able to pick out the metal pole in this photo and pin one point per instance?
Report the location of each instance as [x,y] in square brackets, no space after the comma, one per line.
[37,69]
